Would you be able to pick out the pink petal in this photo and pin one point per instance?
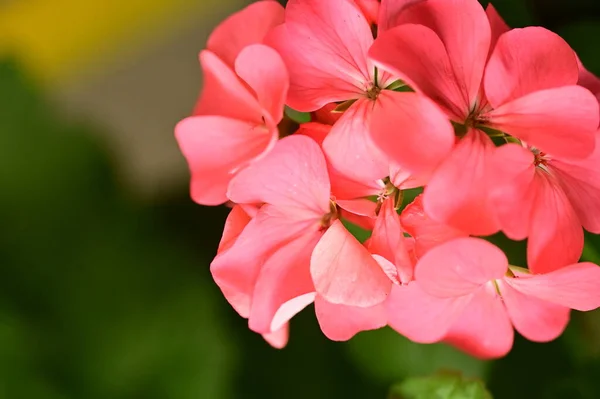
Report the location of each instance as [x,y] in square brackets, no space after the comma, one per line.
[555,236]
[370,8]
[291,308]
[235,270]
[236,221]
[344,272]
[536,319]
[458,192]
[403,179]
[387,240]
[292,176]
[326,114]
[360,206]
[464,30]
[484,329]
[581,181]
[246,27]
[427,232]
[513,193]
[264,71]
[215,148]
[426,136]
[224,94]
[341,322]
[497,25]
[349,144]
[588,80]
[278,339]
[388,267]
[528,60]
[335,30]
[284,276]
[421,317]
[314,130]
[561,121]
[415,54]
[574,286]
[389,11]
[460,267]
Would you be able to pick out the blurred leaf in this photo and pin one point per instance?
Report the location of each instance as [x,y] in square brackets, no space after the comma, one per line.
[578,36]
[441,386]
[358,232]
[297,116]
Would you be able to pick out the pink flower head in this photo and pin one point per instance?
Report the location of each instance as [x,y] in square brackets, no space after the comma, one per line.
[325,45]
[527,88]
[475,298]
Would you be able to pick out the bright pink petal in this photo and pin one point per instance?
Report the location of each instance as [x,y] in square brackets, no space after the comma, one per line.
[370,9]
[246,27]
[343,187]
[555,236]
[416,54]
[235,270]
[224,94]
[349,144]
[574,286]
[292,176]
[464,30]
[460,267]
[513,192]
[344,272]
[389,11]
[314,130]
[278,339]
[458,192]
[236,221]
[528,60]
[484,329]
[581,181]
[424,139]
[427,232]
[497,24]
[341,322]
[421,317]
[324,44]
[215,148]
[536,319]
[327,114]
[284,276]
[264,71]
[560,121]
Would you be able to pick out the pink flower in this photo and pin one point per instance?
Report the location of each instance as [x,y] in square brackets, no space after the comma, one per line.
[441,48]
[325,45]
[472,298]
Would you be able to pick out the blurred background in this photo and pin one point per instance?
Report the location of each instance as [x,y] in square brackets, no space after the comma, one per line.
[105,290]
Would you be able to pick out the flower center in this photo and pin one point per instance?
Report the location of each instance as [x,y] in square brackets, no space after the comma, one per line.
[330,217]
[373,92]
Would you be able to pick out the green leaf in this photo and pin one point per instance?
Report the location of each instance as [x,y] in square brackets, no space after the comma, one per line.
[449,385]
[297,116]
[358,232]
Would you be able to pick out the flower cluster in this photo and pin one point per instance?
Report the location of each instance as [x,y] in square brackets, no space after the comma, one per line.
[498,126]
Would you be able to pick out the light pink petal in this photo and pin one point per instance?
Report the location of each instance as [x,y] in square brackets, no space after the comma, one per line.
[236,269]
[458,194]
[427,232]
[264,71]
[574,286]
[403,179]
[215,148]
[581,181]
[324,44]
[388,239]
[284,276]
[421,317]
[341,322]
[389,11]
[536,319]
[556,235]
[528,60]
[292,176]
[560,121]
[412,131]
[344,272]
[223,93]
[349,144]
[315,130]
[484,329]
[513,192]
[388,267]
[360,206]
[588,80]
[246,27]
[236,221]
[497,25]
[415,54]
[464,30]
[460,267]
[278,339]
